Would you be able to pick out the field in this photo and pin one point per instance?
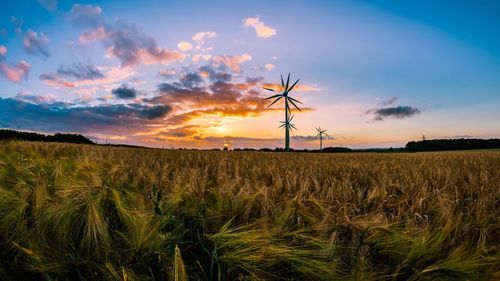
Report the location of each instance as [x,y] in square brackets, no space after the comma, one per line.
[83,212]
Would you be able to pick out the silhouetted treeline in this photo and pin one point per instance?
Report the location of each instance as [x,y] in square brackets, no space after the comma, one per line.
[452,144]
[27,136]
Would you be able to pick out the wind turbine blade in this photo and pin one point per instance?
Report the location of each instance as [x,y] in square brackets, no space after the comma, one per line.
[295,100]
[282,126]
[287,81]
[291,117]
[275,96]
[274,101]
[282,83]
[295,105]
[269,89]
[293,85]
[293,126]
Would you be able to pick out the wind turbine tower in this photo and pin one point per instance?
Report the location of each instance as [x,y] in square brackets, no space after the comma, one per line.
[320,135]
[288,100]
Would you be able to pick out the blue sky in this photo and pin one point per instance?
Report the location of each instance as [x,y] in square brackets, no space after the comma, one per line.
[374,73]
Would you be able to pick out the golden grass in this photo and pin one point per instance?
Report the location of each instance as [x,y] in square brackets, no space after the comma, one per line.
[79,212]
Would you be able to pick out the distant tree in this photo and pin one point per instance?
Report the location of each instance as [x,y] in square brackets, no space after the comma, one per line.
[452,144]
[336,149]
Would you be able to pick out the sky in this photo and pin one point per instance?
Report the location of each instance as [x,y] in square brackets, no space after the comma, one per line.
[191,73]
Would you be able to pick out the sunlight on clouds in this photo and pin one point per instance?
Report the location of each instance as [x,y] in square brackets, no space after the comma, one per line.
[233,62]
[111,75]
[269,66]
[262,30]
[201,36]
[184,46]
[298,87]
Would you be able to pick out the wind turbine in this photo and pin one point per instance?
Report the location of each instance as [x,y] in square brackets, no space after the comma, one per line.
[320,134]
[288,123]
[284,95]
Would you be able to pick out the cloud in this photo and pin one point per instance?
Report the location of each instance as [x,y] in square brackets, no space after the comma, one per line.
[398,112]
[464,137]
[261,29]
[180,132]
[311,138]
[191,80]
[55,80]
[80,71]
[50,5]
[167,72]
[201,36]
[113,119]
[93,35]
[124,93]
[269,66]
[299,87]
[122,40]
[79,75]
[208,94]
[27,97]
[133,47]
[232,62]
[86,14]
[389,101]
[35,44]
[200,57]
[13,72]
[184,46]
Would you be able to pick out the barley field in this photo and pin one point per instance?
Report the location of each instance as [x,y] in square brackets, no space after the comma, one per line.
[83,212]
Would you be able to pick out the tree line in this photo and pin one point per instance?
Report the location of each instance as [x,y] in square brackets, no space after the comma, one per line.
[58,137]
[452,144]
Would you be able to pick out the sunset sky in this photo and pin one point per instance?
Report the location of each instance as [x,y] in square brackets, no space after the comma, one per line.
[190,73]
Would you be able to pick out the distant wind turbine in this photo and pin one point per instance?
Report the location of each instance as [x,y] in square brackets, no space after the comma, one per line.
[288,123]
[288,111]
[320,134]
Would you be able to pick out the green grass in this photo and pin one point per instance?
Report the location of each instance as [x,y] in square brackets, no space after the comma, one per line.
[79,212]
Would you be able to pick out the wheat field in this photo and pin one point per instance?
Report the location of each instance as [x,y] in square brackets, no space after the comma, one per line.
[83,212]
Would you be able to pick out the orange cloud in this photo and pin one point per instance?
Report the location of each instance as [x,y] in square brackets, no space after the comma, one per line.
[269,66]
[232,62]
[184,46]
[262,30]
[298,87]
